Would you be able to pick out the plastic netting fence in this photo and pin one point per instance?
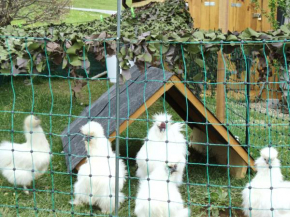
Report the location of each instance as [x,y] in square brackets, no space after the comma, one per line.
[256,113]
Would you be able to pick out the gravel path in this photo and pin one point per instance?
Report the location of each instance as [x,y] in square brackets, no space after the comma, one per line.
[262,107]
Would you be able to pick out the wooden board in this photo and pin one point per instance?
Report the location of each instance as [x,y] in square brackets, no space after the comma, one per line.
[205,16]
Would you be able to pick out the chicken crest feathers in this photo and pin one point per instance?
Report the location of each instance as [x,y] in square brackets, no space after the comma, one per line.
[31,121]
[269,153]
[93,129]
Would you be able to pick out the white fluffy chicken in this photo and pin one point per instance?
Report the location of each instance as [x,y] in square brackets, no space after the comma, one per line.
[163,143]
[158,194]
[96,178]
[20,164]
[267,194]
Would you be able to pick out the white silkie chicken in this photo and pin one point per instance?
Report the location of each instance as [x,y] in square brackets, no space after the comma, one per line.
[20,164]
[158,194]
[163,143]
[96,178]
[267,194]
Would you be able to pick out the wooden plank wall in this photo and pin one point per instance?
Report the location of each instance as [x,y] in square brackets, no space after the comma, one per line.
[207,17]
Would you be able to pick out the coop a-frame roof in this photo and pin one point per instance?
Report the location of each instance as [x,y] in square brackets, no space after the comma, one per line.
[140,92]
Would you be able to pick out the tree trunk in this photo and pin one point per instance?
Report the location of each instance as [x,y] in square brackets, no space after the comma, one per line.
[6,7]
[124,4]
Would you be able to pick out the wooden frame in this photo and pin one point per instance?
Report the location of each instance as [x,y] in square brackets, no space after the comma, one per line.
[176,94]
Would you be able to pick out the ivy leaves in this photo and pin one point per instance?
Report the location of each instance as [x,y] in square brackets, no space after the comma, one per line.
[160,34]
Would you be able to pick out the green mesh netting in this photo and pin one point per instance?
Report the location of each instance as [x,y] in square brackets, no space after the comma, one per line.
[208,187]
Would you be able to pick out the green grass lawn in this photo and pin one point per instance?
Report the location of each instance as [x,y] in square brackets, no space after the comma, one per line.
[83,16]
[99,4]
[55,97]
[218,194]
[75,16]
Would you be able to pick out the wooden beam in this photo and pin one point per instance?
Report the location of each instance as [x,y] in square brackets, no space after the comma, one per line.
[224,26]
[213,121]
[220,96]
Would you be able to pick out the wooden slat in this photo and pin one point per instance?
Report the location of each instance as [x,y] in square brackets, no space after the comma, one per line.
[214,15]
[232,16]
[254,21]
[266,25]
[243,16]
[205,16]
[223,17]
[259,23]
[196,13]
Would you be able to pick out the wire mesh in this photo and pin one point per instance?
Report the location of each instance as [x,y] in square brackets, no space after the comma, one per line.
[208,187]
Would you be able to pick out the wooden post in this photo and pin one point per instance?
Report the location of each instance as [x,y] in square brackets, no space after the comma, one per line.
[220,98]
[237,172]
[223,25]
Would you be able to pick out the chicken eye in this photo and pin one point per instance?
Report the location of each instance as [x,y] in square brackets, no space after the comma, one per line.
[265,159]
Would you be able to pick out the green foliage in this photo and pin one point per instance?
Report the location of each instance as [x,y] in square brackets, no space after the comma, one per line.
[160,33]
[272,14]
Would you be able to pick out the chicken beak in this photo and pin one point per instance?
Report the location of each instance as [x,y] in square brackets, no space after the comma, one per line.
[162,127]
[87,138]
[173,169]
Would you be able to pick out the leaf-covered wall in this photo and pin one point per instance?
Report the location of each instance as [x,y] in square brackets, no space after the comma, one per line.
[160,34]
